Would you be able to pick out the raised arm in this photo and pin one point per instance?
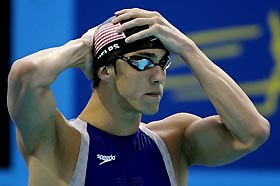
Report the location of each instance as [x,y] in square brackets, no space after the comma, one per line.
[237,129]
[31,103]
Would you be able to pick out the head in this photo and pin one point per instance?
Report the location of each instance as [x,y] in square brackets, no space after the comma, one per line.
[139,66]
[108,45]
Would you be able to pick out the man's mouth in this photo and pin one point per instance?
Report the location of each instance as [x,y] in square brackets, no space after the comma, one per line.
[154,94]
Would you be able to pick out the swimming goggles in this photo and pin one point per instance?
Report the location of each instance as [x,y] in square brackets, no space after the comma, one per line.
[141,63]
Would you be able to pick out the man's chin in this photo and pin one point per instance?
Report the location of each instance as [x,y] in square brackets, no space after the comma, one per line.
[150,112]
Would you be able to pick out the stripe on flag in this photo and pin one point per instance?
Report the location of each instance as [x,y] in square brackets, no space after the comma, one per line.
[106,34]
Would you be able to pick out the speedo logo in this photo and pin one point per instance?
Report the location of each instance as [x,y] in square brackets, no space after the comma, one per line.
[105,159]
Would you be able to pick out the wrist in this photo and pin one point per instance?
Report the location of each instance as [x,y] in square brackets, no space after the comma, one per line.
[187,49]
[76,52]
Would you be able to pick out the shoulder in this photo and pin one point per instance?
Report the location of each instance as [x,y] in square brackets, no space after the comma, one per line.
[172,128]
[175,123]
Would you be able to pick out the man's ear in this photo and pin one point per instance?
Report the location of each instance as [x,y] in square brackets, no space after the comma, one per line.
[105,72]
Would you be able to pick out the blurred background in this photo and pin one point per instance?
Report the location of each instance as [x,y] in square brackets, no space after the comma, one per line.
[240,36]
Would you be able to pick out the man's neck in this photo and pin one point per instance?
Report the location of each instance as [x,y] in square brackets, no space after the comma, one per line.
[110,117]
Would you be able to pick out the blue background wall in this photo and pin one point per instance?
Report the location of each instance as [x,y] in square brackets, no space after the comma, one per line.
[242,37]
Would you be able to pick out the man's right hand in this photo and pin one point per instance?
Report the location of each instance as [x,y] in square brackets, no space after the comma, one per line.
[86,64]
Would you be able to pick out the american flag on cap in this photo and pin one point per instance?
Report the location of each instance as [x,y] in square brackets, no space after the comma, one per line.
[106,34]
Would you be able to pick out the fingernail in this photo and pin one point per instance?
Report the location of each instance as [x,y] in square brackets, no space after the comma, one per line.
[127,40]
[118,29]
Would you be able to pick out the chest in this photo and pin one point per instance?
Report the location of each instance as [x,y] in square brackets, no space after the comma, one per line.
[124,161]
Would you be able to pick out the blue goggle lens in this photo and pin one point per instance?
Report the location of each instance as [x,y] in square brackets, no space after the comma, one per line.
[141,63]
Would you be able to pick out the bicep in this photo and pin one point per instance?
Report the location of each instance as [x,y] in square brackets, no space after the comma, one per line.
[32,109]
[208,142]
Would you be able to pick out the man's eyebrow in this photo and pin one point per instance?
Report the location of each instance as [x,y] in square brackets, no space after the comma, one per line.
[147,54]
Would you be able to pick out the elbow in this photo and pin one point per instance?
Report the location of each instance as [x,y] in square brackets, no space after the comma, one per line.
[22,72]
[264,131]
[260,134]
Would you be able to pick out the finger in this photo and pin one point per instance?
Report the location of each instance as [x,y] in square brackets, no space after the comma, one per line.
[92,30]
[131,14]
[89,33]
[123,11]
[120,18]
[119,12]
[139,35]
[124,16]
[134,23]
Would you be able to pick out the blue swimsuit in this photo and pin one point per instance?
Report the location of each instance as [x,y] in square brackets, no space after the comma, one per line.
[140,159]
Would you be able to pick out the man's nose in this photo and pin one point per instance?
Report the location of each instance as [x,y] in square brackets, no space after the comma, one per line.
[157,74]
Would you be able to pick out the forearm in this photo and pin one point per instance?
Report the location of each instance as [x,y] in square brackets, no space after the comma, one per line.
[234,107]
[43,67]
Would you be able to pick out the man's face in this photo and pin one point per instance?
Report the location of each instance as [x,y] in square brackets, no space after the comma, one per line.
[142,90]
